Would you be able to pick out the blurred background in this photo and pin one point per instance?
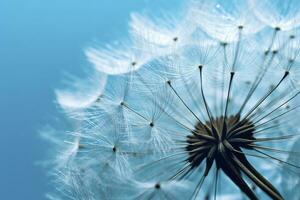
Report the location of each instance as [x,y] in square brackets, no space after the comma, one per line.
[39,42]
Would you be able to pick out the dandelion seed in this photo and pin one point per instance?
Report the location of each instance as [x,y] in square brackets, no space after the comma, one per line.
[205,107]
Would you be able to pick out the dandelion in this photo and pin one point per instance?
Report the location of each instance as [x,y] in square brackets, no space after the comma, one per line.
[201,106]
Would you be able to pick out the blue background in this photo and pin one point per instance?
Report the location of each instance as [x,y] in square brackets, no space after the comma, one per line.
[39,40]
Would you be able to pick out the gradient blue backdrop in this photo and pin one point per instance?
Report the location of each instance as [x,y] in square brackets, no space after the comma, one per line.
[39,40]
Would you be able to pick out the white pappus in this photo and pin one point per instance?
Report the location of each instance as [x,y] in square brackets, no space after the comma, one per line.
[202,104]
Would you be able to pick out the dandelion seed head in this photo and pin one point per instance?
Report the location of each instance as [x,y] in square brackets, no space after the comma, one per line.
[201,106]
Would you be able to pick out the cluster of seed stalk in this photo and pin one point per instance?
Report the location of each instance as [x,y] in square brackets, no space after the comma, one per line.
[174,123]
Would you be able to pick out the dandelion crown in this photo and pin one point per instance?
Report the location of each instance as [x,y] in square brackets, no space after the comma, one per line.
[201,106]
